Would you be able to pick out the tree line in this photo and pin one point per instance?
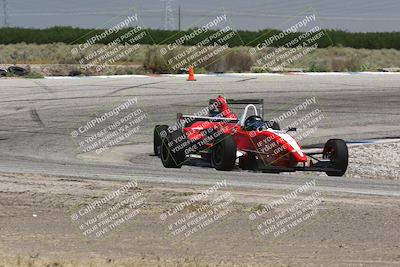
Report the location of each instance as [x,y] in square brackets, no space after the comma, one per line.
[70,35]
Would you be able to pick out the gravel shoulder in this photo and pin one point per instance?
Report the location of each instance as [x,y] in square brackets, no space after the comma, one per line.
[37,229]
[378,161]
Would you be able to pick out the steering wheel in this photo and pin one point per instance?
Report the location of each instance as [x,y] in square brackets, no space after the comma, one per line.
[253,123]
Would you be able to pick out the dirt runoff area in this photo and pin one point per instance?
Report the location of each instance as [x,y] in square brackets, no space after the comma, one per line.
[65,221]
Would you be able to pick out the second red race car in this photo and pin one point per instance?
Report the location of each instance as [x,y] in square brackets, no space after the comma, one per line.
[248,142]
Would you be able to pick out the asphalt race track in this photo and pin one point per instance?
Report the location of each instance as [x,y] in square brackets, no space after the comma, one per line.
[38,116]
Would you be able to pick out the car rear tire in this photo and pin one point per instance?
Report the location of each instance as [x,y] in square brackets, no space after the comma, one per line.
[173,149]
[223,153]
[336,150]
[158,131]
[248,162]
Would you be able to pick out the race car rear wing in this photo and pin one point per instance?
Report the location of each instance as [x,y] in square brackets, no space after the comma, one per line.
[190,119]
[207,118]
[259,102]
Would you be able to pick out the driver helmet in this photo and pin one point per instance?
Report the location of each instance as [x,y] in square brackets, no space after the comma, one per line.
[254,123]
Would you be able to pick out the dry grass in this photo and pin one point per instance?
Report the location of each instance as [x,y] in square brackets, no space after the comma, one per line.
[148,59]
[350,59]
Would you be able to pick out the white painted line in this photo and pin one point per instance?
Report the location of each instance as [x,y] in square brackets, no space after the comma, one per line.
[355,144]
[226,75]
[372,141]
[97,77]
[283,74]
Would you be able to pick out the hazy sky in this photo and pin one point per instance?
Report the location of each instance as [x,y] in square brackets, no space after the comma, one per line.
[351,15]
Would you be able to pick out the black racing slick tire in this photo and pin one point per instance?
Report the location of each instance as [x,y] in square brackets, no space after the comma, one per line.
[336,150]
[223,153]
[173,149]
[248,162]
[159,130]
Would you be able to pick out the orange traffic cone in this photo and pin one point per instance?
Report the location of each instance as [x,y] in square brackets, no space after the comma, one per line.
[191,74]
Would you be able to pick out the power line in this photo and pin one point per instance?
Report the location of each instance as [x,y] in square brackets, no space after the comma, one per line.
[323,17]
[204,14]
[156,12]
[169,19]
[179,18]
[5,13]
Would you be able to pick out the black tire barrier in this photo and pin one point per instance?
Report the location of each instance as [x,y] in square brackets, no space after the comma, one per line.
[3,72]
[19,71]
[74,73]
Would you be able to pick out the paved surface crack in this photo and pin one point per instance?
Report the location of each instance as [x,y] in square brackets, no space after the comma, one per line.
[43,86]
[130,87]
[246,79]
[35,116]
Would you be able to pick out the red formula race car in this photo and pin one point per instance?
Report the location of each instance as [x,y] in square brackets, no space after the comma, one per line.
[217,135]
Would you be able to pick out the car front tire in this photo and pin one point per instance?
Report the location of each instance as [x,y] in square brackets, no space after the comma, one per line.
[158,131]
[336,150]
[223,154]
[172,151]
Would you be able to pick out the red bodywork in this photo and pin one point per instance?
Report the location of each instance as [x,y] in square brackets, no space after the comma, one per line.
[273,147]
